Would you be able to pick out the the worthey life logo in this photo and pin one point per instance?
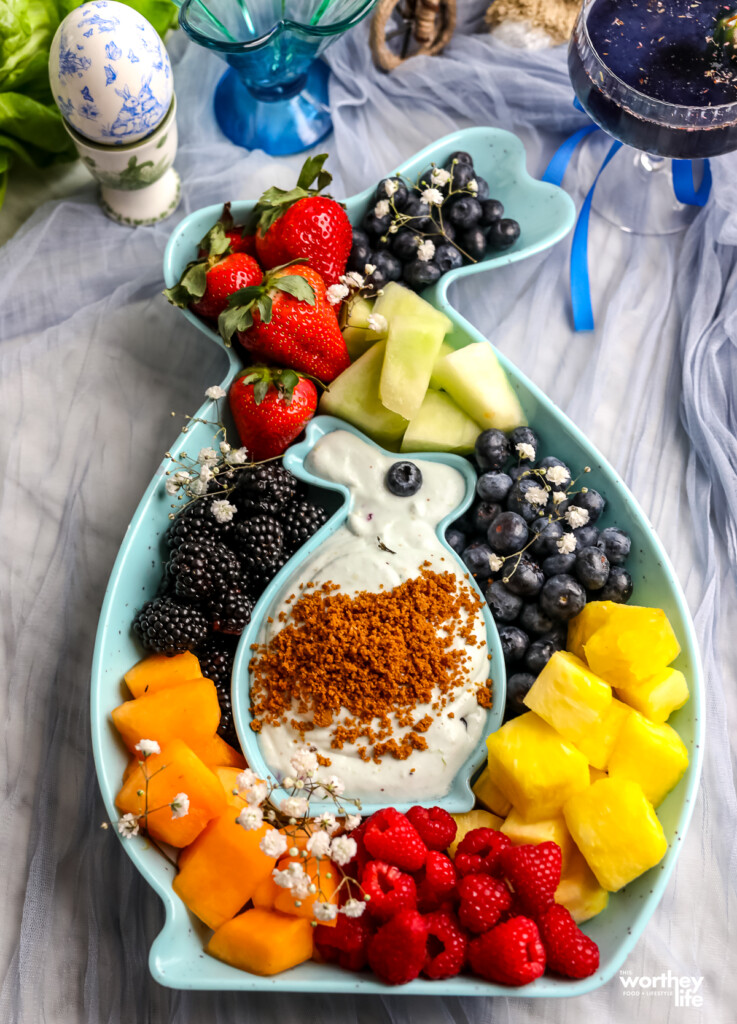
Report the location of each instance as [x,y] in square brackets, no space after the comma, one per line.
[686,990]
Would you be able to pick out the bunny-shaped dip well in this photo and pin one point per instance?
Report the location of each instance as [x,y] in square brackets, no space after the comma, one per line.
[378,541]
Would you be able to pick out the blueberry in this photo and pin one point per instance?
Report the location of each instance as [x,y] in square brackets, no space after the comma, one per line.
[562,597]
[508,533]
[473,242]
[547,535]
[618,587]
[476,557]
[460,157]
[389,265]
[377,280]
[374,225]
[492,449]
[518,686]
[399,194]
[419,210]
[482,191]
[456,539]
[503,234]
[493,486]
[524,435]
[425,179]
[557,635]
[359,257]
[615,544]
[539,654]
[403,479]
[491,211]
[505,606]
[514,643]
[557,565]
[591,501]
[462,174]
[524,578]
[447,257]
[382,242]
[519,472]
[558,481]
[463,211]
[404,244]
[521,498]
[420,273]
[483,514]
[534,620]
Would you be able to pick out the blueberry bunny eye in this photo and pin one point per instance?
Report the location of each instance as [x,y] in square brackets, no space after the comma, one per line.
[403,479]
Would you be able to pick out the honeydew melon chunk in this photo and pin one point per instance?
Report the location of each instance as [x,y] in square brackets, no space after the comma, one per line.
[440,426]
[473,376]
[354,396]
[411,348]
[358,334]
[445,350]
[396,300]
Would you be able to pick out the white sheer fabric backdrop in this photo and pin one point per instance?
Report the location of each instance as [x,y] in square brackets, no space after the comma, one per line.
[92,362]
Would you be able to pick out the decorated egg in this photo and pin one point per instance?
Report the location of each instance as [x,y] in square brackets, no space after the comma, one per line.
[110,73]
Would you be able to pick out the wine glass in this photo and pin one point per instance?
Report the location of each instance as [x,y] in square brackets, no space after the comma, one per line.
[650,74]
[274,95]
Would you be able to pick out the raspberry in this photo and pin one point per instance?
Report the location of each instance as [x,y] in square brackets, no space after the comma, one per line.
[534,873]
[479,850]
[483,901]
[569,951]
[397,952]
[355,867]
[446,945]
[435,882]
[391,837]
[510,954]
[389,888]
[345,944]
[436,827]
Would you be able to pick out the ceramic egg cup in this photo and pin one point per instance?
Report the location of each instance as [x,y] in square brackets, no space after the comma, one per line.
[138,184]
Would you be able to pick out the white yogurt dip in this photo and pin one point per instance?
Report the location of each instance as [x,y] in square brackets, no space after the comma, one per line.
[384,541]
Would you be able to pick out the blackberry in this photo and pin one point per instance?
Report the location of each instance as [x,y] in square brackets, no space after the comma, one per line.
[199,568]
[261,576]
[166,626]
[216,656]
[300,519]
[260,542]
[250,507]
[268,482]
[195,522]
[230,610]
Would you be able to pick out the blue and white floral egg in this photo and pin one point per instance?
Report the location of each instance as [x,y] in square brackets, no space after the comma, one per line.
[110,73]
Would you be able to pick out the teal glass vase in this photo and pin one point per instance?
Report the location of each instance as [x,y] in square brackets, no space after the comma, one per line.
[274,95]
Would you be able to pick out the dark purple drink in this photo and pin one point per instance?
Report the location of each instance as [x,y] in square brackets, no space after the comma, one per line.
[650,74]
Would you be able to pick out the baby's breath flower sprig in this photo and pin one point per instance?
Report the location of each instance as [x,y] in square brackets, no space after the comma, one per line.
[352,287]
[322,839]
[130,825]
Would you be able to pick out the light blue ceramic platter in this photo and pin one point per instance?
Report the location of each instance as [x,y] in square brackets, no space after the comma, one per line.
[460,796]
[177,958]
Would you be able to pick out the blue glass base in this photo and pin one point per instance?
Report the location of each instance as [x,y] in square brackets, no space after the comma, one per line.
[281,127]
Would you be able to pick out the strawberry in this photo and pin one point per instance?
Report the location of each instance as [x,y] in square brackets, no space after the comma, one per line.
[510,954]
[300,223]
[397,952]
[569,951]
[533,870]
[270,408]
[225,237]
[390,836]
[287,319]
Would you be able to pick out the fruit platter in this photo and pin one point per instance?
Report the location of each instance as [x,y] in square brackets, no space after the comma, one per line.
[394,686]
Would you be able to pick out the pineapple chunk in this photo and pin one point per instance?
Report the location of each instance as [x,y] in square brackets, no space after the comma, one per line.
[633,644]
[617,830]
[569,697]
[488,793]
[470,820]
[658,696]
[651,754]
[596,773]
[553,830]
[585,624]
[579,892]
[598,744]
[534,767]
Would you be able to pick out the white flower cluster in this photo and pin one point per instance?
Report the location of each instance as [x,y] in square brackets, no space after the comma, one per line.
[576,516]
[525,451]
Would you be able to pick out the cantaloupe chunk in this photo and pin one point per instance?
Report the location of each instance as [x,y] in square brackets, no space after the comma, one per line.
[220,870]
[188,712]
[285,901]
[214,751]
[265,893]
[263,941]
[229,779]
[181,772]
[468,821]
[157,672]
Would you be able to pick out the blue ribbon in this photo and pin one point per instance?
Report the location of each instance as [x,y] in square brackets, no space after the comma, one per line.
[683,186]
